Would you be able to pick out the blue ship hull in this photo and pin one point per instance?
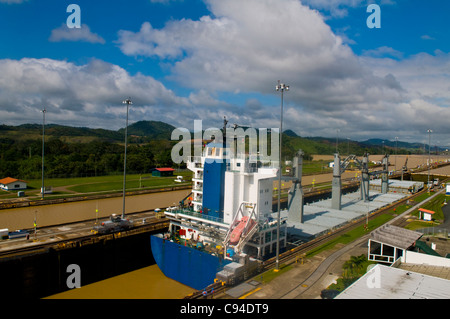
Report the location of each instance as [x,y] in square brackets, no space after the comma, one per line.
[186,265]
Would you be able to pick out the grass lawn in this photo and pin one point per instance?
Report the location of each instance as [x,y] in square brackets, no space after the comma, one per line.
[151,182]
[271,274]
[419,224]
[399,210]
[106,183]
[422,197]
[316,167]
[435,205]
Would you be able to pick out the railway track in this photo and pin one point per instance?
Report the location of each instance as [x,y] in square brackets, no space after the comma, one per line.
[292,254]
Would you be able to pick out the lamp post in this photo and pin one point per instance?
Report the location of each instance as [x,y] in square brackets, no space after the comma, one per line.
[43,138]
[337,141]
[395,165]
[35,225]
[429,157]
[128,103]
[280,87]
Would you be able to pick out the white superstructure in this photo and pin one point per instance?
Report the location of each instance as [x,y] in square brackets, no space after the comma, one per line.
[230,197]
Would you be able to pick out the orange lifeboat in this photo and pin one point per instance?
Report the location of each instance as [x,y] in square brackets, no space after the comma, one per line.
[237,231]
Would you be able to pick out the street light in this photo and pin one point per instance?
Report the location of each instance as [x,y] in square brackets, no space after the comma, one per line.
[280,87]
[429,157]
[337,140]
[395,165]
[128,103]
[43,137]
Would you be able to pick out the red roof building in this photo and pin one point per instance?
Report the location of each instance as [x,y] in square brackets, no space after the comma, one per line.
[425,214]
[163,171]
[9,183]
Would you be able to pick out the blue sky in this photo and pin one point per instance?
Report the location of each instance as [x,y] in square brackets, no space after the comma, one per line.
[182,60]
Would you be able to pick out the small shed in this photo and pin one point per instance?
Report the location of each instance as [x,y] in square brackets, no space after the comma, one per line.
[162,172]
[387,243]
[425,214]
[12,184]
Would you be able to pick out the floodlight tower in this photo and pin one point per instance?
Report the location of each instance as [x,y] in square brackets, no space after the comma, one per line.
[128,103]
[429,157]
[43,142]
[281,87]
[396,144]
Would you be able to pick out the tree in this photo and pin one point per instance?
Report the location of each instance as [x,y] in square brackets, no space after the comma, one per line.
[109,162]
[353,266]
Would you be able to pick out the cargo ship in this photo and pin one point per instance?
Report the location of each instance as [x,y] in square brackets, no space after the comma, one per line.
[226,226]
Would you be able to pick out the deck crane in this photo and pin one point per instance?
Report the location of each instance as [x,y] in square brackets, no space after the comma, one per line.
[340,167]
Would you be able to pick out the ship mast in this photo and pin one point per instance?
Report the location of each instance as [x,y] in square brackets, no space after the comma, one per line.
[225,122]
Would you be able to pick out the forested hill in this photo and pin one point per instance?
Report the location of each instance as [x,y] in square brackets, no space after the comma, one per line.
[145,130]
[81,151]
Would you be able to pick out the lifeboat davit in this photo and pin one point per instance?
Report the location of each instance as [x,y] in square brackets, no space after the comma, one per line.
[238,230]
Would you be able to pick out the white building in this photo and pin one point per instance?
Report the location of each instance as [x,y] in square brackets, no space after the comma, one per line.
[388,243]
[382,282]
[11,184]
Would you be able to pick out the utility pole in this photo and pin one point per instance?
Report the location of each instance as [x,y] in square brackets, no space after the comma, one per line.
[43,142]
[337,141]
[429,157]
[280,87]
[395,165]
[128,103]
[35,225]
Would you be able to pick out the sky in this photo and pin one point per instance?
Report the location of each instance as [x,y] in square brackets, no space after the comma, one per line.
[186,60]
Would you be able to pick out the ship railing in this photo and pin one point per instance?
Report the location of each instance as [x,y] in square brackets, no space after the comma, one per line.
[198,177]
[196,160]
[199,215]
[248,167]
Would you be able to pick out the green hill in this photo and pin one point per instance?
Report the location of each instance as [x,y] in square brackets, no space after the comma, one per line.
[146,130]
[150,130]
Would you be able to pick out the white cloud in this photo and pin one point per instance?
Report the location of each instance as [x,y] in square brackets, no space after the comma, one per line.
[427,37]
[87,95]
[63,33]
[246,45]
[382,52]
[13,1]
[242,49]
[339,8]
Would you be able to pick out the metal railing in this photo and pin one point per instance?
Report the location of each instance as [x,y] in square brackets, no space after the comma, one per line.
[434,231]
[198,215]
